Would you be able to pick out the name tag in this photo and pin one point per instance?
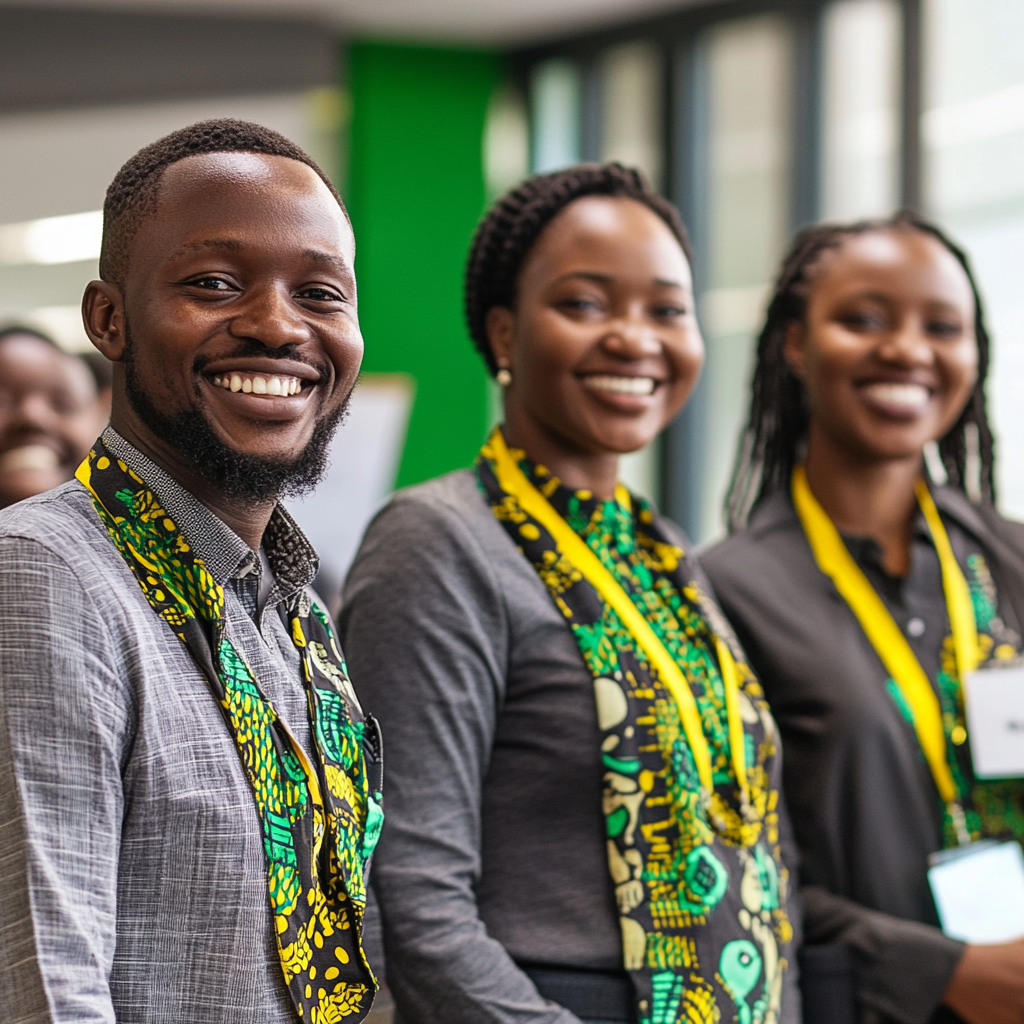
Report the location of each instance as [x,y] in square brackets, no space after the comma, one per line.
[994,701]
[979,891]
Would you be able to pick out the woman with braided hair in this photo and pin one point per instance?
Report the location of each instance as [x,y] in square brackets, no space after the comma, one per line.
[873,602]
[586,822]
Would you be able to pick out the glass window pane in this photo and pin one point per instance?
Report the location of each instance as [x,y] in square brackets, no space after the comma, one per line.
[861,108]
[506,142]
[973,130]
[631,79]
[555,94]
[748,86]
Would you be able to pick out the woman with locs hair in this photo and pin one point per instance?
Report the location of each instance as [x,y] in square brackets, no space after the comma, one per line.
[586,822]
[866,593]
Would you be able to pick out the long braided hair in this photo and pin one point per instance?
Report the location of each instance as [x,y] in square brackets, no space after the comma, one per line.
[777,425]
[513,224]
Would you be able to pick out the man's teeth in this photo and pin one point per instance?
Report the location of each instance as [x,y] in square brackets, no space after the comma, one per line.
[29,458]
[258,384]
[908,396]
[621,385]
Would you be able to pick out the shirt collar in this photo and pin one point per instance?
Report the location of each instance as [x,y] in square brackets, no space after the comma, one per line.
[776,511]
[225,554]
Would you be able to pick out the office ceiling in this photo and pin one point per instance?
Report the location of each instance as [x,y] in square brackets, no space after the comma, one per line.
[502,22]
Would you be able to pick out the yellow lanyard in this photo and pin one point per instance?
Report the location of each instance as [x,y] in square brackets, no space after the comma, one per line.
[513,481]
[895,653]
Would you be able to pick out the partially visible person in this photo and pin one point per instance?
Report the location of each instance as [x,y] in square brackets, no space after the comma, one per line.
[864,593]
[52,406]
[585,820]
[189,789]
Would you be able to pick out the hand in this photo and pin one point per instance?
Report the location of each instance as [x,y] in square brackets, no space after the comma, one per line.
[987,986]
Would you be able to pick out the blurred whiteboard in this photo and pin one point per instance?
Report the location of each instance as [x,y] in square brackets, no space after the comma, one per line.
[364,463]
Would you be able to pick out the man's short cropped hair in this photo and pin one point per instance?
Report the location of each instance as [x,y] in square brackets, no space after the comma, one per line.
[135,190]
[22,330]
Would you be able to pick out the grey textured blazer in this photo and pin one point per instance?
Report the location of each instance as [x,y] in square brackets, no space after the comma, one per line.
[493,853]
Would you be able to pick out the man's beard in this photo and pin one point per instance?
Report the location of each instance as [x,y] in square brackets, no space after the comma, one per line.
[234,474]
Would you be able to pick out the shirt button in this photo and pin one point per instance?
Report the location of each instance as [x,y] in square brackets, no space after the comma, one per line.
[915,627]
[958,735]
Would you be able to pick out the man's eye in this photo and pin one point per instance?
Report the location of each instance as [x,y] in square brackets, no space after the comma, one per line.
[66,405]
[213,284]
[320,295]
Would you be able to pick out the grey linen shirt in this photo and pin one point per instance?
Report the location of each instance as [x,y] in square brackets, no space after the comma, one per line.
[132,869]
[493,854]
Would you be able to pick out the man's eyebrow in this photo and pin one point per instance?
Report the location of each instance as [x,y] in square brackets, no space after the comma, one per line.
[231,244]
[319,256]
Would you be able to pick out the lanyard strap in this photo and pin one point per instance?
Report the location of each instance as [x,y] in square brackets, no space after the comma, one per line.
[891,646]
[958,595]
[513,481]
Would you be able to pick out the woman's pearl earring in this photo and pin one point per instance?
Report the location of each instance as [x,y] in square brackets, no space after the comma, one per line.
[504,376]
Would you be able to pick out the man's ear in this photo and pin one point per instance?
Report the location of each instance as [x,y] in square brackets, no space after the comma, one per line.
[500,324]
[794,350]
[103,317]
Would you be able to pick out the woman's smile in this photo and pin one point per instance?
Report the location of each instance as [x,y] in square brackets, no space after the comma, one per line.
[620,384]
[898,399]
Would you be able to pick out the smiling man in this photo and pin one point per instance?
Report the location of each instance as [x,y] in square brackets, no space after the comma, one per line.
[51,405]
[188,787]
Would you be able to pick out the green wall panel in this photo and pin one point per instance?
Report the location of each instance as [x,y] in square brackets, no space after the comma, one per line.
[415,193]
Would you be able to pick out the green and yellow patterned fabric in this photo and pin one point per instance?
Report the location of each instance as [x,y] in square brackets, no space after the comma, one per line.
[699,879]
[320,821]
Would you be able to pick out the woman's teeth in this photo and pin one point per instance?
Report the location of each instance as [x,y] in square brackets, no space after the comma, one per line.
[258,384]
[906,396]
[621,385]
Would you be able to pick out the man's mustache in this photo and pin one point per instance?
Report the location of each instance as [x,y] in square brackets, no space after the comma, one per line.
[252,349]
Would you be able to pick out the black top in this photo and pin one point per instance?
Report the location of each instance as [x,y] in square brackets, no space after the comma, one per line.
[863,803]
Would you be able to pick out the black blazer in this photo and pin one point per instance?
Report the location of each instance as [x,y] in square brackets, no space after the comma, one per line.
[862,800]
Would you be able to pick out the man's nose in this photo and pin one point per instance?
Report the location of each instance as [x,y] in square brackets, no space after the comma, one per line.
[269,316]
[31,410]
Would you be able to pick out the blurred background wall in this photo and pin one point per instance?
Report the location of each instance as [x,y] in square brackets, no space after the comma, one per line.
[755,116]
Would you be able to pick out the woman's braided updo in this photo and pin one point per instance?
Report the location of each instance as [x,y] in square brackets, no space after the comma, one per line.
[777,425]
[513,224]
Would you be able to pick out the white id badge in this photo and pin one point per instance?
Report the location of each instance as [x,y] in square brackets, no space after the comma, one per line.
[994,701]
[979,891]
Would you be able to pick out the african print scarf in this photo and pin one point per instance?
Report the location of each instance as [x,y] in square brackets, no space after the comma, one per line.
[320,821]
[698,878]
